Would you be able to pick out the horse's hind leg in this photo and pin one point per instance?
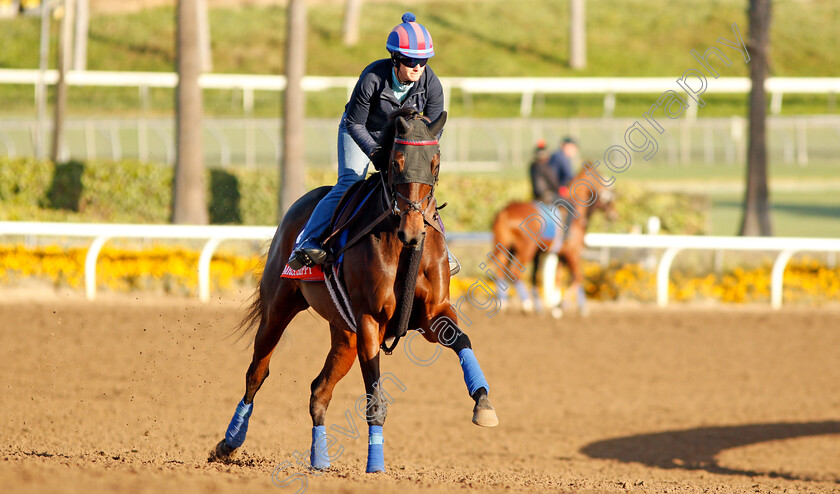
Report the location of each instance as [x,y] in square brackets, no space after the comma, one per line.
[339,360]
[576,287]
[276,315]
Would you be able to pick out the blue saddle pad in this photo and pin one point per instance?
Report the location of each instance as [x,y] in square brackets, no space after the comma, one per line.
[345,234]
[550,224]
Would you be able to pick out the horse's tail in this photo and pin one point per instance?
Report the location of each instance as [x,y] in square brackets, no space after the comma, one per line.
[255,307]
[502,233]
[253,316]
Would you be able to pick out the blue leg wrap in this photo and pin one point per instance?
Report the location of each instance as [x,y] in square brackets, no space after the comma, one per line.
[319,457]
[472,371]
[537,300]
[581,298]
[235,435]
[376,453]
[503,296]
[522,290]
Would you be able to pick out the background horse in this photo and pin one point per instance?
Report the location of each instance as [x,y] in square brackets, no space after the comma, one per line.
[374,270]
[521,226]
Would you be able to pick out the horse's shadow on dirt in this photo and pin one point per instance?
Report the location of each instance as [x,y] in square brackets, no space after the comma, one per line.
[696,449]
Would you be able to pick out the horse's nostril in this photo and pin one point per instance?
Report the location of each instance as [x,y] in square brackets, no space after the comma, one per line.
[401,236]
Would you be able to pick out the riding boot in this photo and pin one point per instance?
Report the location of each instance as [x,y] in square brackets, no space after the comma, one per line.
[308,254]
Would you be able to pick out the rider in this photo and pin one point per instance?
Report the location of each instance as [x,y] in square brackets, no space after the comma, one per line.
[561,162]
[544,181]
[401,81]
[550,179]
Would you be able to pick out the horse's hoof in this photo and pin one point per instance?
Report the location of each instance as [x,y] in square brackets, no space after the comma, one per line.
[484,414]
[221,452]
[557,313]
[528,306]
[485,418]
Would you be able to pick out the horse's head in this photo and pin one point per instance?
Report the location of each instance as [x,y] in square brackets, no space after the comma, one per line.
[412,172]
[593,194]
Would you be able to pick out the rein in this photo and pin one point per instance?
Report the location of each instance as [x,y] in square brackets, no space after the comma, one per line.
[407,301]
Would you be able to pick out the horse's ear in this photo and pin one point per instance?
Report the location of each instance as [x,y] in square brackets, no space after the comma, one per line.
[436,126]
[402,126]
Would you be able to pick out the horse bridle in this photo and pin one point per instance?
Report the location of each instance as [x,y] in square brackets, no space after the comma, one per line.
[391,188]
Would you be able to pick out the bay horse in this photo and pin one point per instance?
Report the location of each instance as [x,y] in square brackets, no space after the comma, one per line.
[520,226]
[374,270]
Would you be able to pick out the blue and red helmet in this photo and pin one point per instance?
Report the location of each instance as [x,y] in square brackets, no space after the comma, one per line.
[410,39]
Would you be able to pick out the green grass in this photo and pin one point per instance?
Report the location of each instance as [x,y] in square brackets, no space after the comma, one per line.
[732,172]
[794,214]
[487,38]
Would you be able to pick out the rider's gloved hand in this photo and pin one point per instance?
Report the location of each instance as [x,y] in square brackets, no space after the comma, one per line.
[564,192]
[377,157]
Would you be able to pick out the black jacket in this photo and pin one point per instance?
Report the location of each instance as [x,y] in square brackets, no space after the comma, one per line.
[373,100]
[544,181]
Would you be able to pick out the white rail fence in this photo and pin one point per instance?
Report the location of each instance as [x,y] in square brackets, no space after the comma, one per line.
[215,235]
[528,87]
[468,144]
[674,244]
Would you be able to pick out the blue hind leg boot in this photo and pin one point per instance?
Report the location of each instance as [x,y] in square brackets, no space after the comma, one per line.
[235,435]
[473,376]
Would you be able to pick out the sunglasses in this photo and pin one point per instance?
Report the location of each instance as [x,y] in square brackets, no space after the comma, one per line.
[411,62]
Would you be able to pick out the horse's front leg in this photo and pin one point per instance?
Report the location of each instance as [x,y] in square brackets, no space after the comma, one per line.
[368,340]
[576,287]
[339,360]
[444,329]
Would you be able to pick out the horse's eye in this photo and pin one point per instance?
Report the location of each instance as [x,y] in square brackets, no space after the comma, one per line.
[399,161]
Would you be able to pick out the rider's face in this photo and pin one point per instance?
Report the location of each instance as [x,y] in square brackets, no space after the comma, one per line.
[409,74]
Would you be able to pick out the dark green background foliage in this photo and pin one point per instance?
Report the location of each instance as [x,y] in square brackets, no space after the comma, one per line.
[631,38]
[133,192]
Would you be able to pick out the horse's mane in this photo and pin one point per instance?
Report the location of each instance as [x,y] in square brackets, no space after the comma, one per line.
[386,138]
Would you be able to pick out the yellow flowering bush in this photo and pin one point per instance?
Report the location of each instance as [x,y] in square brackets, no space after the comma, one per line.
[806,281]
[175,270]
[171,269]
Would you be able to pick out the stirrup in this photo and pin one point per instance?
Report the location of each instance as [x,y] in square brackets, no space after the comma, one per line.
[454,265]
[307,257]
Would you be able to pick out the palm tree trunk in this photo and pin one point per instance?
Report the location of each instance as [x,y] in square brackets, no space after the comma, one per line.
[577,34]
[292,166]
[80,51]
[350,28]
[756,220]
[64,56]
[189,205]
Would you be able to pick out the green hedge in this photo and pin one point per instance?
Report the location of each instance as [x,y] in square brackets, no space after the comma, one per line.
[133,192]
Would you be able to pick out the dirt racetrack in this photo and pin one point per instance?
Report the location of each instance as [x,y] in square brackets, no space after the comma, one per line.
[130,394]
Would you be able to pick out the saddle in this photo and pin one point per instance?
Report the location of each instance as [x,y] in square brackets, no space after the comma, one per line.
[346,228]
[553,231]
[364,199]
